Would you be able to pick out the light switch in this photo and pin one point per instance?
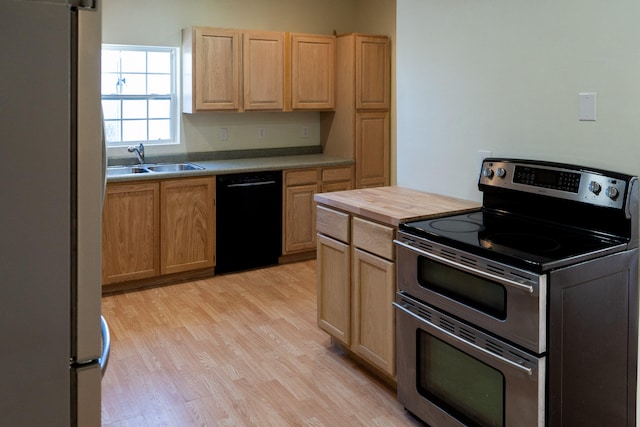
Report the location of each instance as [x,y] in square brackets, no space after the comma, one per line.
[587,106]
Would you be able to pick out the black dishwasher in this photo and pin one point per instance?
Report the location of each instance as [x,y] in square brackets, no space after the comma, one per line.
[248,220]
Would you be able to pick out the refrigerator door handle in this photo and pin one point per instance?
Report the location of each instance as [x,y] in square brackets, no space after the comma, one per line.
[106,345]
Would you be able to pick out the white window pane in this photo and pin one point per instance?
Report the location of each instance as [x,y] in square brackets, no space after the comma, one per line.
[134,130]
[138,86]
[133,61]
[159,62]
[134,84]
[159,130]
[111,109]
[134,109]
[112,130]
[159,109]
[110,61]
[159,84]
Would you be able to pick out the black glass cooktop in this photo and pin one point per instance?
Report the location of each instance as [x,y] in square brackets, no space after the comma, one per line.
[515,239]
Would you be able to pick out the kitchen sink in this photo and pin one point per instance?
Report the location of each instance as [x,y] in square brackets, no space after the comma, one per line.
[174,167]
[125,170]
[162,167]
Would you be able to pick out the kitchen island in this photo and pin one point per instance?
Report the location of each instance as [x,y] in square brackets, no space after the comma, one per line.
[356,266]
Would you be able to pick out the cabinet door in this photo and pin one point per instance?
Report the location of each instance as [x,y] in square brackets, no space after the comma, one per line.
[334,288]
[373,323]
[313,72]
[263,54]
[372,149]
[187,224]
[130,227]
[300,218]
[373,70]
[217,69]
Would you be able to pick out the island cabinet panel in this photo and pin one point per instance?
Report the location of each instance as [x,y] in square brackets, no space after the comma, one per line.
[312,71]
[130,238]
[356,286]
[263,65]
[334,288]
[212,61]
[373,323]
[187,224]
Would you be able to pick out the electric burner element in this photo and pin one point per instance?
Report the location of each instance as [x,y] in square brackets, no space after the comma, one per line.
[456,226]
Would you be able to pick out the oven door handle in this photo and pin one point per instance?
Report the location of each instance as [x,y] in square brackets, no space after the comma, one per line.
[516,285]
[456,338]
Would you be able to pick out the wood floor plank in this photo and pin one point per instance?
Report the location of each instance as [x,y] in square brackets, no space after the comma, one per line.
[239,349]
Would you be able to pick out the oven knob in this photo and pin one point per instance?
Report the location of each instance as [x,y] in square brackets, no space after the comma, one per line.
[594,187]
[611,192]
[501,173]
[487,173]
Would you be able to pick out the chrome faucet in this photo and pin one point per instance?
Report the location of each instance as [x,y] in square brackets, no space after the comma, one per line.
[139,150]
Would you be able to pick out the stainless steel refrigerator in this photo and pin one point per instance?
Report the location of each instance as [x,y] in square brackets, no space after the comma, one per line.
[51,183]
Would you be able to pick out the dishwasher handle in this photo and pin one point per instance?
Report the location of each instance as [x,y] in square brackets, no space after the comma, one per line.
[251,184]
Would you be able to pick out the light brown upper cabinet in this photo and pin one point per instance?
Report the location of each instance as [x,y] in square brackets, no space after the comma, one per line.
[359,128]
[212,69]
[372,72]
[263,65]
[245,70]
[313,68]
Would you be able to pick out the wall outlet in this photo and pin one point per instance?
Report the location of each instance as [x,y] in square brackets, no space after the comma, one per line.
[304,132]
[262,132]
[587,107]
[224,134]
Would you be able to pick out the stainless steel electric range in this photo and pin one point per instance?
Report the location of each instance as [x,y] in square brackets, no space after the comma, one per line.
[524,312]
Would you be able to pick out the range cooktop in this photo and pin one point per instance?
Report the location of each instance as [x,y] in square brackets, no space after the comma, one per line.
[514,239]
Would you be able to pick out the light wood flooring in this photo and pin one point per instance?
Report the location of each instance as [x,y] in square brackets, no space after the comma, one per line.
[240,349]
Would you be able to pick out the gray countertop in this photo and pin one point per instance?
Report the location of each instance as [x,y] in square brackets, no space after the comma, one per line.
[220,167]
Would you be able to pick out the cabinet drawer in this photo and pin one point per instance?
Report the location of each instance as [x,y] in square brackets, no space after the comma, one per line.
[332,223]
[336,174]
[301,177]
[374,238]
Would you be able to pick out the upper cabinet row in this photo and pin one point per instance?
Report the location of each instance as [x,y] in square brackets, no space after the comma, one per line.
[237,70]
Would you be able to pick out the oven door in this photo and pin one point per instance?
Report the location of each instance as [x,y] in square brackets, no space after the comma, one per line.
[450,374]
[507,301]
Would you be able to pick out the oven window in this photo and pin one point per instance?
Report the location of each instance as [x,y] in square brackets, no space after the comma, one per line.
[474,291]
[463,386]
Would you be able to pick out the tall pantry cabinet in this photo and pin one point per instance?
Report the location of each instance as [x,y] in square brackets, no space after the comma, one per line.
[359,127]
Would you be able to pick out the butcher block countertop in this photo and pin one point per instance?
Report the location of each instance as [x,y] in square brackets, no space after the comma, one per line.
[393,205]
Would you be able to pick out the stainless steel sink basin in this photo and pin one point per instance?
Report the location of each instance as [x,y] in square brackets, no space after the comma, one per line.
[161,167]
[173,167]
[125,170]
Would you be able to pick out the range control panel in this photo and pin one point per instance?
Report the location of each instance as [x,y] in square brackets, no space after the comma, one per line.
[556,180]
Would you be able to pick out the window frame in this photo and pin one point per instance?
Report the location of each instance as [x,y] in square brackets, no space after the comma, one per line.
[173,97]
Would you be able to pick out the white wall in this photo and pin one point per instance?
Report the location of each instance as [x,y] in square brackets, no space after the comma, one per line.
[504,76]
[153,22]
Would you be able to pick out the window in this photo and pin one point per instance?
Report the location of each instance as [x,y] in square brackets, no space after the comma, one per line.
[139,100]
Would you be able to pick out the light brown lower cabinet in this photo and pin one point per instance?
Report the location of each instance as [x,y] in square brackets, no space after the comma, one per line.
[356,285]
[187,224]
[156,228]
[299,218]
[130,232]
